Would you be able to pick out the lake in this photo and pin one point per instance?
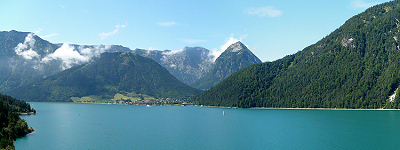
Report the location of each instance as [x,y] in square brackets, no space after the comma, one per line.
[102,126]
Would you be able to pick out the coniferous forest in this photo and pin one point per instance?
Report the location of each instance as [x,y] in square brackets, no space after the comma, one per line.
[11,125]
[356,66]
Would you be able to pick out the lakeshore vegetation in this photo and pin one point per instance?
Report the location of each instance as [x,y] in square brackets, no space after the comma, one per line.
[11,125]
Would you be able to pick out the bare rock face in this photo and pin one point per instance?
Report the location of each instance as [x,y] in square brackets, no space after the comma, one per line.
[187,65]
[234,58]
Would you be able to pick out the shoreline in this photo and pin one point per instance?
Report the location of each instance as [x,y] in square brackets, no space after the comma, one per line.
[381,109]
[321,108]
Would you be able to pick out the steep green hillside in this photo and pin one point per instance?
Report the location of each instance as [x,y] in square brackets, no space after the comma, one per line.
[356,66]
[237,56]
[15,69]
[11,125]
[105,76]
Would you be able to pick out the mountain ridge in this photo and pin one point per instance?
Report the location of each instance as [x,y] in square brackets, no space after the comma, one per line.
[105,76]
[187,65]
[26,58]
[356,66]
[236,57]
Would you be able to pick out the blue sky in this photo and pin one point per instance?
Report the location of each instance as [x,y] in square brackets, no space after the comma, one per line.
[271,29]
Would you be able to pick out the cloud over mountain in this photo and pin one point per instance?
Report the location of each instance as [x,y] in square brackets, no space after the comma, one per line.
[68,54]
[215,53]
[25,49]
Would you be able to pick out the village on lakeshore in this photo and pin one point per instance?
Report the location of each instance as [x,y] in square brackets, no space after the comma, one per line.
[148,102]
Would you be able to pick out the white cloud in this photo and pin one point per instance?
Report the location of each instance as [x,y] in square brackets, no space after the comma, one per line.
[66,53]
[358,4]
[231,40]
[106,35]
[169,52]
[214,54]
[95,51]
[269,11]
[228,43]
[29,54]
[25,49]
[49,35]
[45,36]
[167,24]
[69,56]
[191,41]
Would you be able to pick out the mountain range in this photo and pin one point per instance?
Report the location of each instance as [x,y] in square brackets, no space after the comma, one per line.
[356,66]
[105,76]
[29,62]
[197,67]
[26,58]
[187,65]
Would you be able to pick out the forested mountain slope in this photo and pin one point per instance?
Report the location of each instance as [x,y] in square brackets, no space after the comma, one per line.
[15,69]
[356,66]
[105,76]
[11,125]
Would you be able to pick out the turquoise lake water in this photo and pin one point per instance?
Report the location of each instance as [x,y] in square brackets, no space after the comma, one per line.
[101,126]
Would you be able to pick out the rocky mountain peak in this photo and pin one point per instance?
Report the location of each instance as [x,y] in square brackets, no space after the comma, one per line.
[236,57]
[236,47]
[187,65]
